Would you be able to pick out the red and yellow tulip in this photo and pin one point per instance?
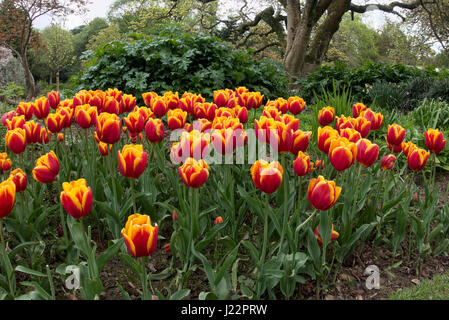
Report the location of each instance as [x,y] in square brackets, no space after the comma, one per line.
[194,173]
[135,122]
[5,162]
[342,153]
[16,140]
[205,110]
[334,235]
[301,141]
[86,116]
[140,236]
[108,128]
[132,160]
[176,118]
[357,109]
[388,161]
[76,198]
[53,99]
[267,176]
[46,168]
[7,198]
[323,194]
[154,130]
[325,137]
[417,159]
[434,140]
[19,178]
[395,134]
[326,116]
[296,105]
[302,164]
[367,152]
[41,108]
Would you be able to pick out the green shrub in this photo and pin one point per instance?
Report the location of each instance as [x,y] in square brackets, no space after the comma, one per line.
[11,91]
[180,62]
[386,95]
[431,114]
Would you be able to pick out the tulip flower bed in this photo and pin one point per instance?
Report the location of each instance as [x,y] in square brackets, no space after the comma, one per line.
[230,190]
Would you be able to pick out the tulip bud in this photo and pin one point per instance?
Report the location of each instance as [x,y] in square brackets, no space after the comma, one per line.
[19,178]
[76,198]
[5,162]
[218,220]
[434,140]
[140,236]
[323,194]
[16,140]
[154,129]
[326,116]
[388,162]
[334,235]
[267,177]
[132,161]
[367,152]
[46,168]
[60,137]
[53,99]
[194,173]
[174,216]
[7,198]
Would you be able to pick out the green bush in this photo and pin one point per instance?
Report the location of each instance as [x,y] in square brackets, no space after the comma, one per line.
[180,62]
[11,91]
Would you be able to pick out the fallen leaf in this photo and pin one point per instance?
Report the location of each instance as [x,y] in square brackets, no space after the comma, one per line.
[416,281]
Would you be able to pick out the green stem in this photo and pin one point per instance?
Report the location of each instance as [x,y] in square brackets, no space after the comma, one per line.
[286,192]
[307,220]
[265,230]
[144,278]
[62,216]
[5,257]
[133,195]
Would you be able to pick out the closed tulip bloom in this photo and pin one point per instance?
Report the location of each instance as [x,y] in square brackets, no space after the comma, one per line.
[363,126]
[135,122]
[140,236]
[53,99]
[33,132]
[132,161]
[221,97]
[159,107]
[345,122]
[115,93]
[192,144]
[60,137]
[224,112]
[104,148]
[76,198]
[128,103]
[302,164]
[176,119]
[194,173]
[376,119]
[26,109]
[82,97]
[417,159]
[296,105]
[258,97]
[351,134]
[15,122]
[342,153]
[218,220]
[301,141]
[388,161]
[434,140]
[290,121]
[367,152]
[154,130]
[97,100]
[46,168]
[108,128]
[54,122]
[334,235]
[326,116]
[242,114]
[7,198]
[395,134]
[5,162]
[325,137]
[323,194]
[111,105]
[86,116]
[171,100]
[19,178]
[406,147]
[271,112]
[267,177]
[357,109]
[67,116]
[41,108]
[145,112]
[148,98]
[394,148]
[225,123]
[226,140]
[16,140]
[202,125]
[280,137]
[205,110]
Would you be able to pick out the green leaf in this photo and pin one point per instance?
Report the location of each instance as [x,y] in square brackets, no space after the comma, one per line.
[109,254]
[30,271]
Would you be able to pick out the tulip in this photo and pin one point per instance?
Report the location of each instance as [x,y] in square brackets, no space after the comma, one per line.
[319,164]
[224,112]
[204,110]
[176,119]
[434,140]
[194,173]
[295,105]
[16,140]
[104,148]
[225,123]
[406,147]
[326,116]
[135,122]
[115,93]
[5,162]
[148,98]
[342,153]
[218,220]
[334,235]
[159,107]
[417,159]
[166,247]
[226,140]
[8,116]
[19,178]
[108,128]
[111,105]
[81,98]
[54,122]
[241,90]
[132,161]
[345,122]
[202,125]
[7,198]
[301,141]
[376,119]
[26,109]
[242,114]
[357,109]
[140,236]
[53,99]
[97,101]
[395,134]
[323,194]
[271,112]
[145,112]
[325,137]
[280,137]
[60,137]
[388,161]
[33,132]
[192,144]
[76,198]
[290,121]
[15,122]
[67,116]
[46,168]
[86,116]
[171,100]
[302,164]
[351,134]
[363,126]
[367,152]
[154,129]
[128,103]
[267,177]
[221,97]
[41,108]
[394,148]
[174,216]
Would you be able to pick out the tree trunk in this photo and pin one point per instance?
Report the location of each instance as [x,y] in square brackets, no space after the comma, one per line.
[57,81]
[29,76]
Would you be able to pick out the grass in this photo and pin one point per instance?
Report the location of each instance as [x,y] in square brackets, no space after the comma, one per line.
[434,289]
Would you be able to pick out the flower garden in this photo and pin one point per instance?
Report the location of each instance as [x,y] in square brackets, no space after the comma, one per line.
[240,197]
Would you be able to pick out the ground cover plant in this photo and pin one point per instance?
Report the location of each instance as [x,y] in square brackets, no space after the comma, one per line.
[234,197]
